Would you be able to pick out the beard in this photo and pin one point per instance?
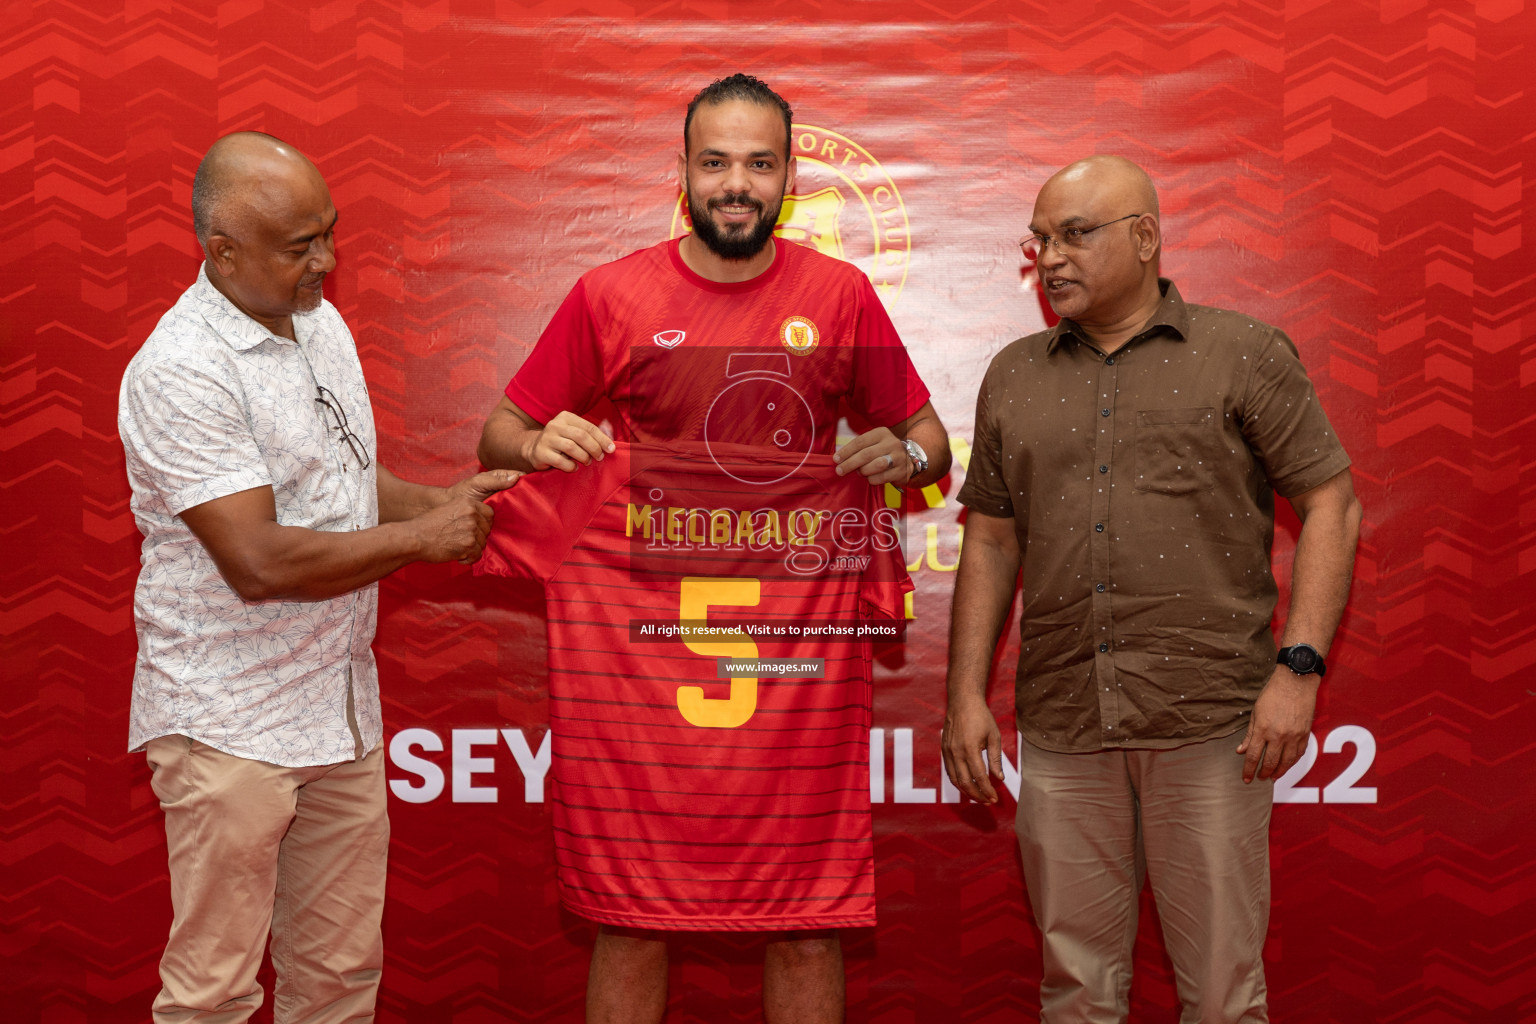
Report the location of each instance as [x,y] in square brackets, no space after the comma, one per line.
[737,241]
[306,301]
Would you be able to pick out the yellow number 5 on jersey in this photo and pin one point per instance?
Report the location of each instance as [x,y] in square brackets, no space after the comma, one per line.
[697,595]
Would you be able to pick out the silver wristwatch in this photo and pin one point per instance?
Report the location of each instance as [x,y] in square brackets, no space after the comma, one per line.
[917,455]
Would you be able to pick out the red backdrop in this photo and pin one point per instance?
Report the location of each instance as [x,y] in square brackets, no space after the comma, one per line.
[1352,171]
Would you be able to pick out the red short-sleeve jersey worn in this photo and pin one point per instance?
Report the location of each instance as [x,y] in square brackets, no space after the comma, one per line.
[710,618]
[664,343]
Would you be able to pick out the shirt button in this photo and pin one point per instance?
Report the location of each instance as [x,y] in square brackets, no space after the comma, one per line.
[1103,412]
[1103,469]
[1103,648]
[1098,527]
[1099,588]
[1110,361]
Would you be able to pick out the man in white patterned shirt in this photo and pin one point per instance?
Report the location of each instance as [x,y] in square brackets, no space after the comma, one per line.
[267,522]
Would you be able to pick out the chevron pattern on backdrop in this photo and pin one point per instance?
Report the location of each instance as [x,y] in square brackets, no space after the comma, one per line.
[1351,171]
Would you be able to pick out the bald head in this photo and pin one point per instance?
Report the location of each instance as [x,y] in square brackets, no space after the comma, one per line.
[267,227]
[238,174]
[1100,266]
[1114,178]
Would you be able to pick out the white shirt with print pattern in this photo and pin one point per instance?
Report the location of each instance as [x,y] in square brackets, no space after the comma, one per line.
[214,404]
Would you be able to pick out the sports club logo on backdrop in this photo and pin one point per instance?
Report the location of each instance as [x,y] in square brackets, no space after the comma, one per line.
[845,205]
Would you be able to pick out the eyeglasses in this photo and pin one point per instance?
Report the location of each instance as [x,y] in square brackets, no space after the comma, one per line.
[340,416]
[1034,246]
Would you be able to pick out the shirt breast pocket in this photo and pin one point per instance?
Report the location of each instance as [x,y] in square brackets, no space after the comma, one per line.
[1175,450]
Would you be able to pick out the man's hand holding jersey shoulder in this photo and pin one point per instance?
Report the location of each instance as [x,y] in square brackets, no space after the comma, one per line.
[882,455]
[515,440]
[263,560]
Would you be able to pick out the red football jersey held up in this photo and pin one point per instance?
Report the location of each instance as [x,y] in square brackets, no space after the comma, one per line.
[694,785]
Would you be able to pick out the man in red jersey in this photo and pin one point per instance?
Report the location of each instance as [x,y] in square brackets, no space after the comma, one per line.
[669,335]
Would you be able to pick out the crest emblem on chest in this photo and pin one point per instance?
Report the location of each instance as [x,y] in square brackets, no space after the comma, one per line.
[799,335]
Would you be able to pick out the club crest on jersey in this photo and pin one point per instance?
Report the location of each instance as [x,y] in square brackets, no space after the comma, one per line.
[669,339]
[799,335]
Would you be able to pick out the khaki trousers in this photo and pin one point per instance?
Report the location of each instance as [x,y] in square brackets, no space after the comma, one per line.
[255,847]
[1092,826]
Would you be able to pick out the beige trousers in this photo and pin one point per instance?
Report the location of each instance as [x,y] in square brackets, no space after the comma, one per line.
[255,847]
[1092,827]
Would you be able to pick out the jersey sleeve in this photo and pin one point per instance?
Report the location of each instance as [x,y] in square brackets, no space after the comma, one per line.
[886,388]
[537,520]
[885,586]
[884,583]
[565,369]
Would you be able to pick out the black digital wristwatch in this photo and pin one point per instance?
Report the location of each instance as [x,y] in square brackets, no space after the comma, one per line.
[1302,659]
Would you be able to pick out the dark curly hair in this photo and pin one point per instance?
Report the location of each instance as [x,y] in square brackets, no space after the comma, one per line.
[740,87]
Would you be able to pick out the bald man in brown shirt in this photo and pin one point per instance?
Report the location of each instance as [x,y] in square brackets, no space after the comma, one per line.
[1127,461]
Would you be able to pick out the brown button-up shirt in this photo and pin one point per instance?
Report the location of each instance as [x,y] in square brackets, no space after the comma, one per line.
[1141,485]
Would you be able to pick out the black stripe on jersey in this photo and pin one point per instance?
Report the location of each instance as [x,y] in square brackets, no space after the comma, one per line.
[722,767]
[738,880]
[590,857]
[813,590]
[759,612]
[583,591]
[848,675]
[694,728]
[837,811]
[848,670]
[822,599]
[641,646]
[672,706]
[733,845]
[687,552]
[646,587]
[860,894]
[704,479]
[857,795]
[822,744]
[785,794]
[812,644]
[771,568]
